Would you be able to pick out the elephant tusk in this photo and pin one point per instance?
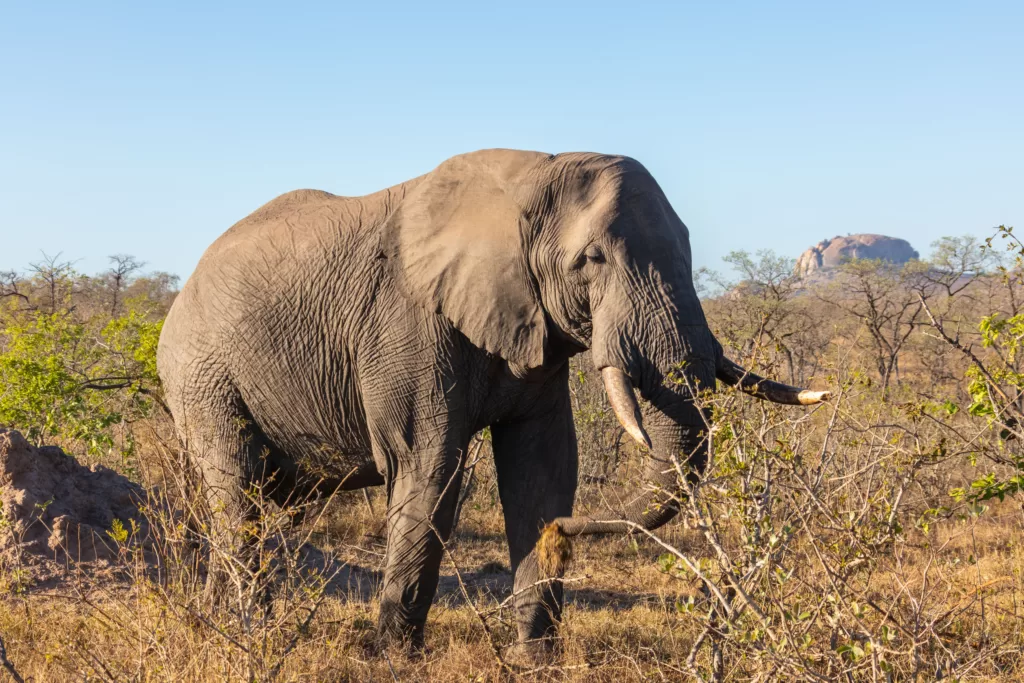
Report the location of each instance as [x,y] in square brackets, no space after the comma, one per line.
[809,398]
[776,392]
[624,405]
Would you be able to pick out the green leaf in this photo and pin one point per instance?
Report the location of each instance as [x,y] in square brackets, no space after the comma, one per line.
[117,532]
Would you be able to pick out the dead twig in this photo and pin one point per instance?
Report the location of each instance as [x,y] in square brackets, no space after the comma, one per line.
[7,664]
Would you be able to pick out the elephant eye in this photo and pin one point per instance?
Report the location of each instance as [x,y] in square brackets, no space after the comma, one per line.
[594,254]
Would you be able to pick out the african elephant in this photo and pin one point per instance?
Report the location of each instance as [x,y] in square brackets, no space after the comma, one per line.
[371,337]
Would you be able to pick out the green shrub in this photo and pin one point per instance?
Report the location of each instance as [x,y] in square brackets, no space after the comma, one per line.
[75,369]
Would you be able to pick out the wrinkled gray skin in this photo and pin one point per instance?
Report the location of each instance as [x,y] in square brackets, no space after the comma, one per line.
[368,338]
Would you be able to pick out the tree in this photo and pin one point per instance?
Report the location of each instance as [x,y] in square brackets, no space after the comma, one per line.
[11,286]
[884,297]
[957,261]
[78,353]
[124,266]
[765,311]
[996,370]
[57,279]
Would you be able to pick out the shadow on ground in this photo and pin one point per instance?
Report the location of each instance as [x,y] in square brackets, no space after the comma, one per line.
[361,582]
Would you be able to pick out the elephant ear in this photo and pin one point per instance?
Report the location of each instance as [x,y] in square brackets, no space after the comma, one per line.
[457,247]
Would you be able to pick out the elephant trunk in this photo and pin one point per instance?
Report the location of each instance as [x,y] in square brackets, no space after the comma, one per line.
[671,427]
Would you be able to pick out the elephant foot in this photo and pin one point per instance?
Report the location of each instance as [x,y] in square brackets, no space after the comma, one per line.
[410,646]
[394,631]
[381,645]
[533,653]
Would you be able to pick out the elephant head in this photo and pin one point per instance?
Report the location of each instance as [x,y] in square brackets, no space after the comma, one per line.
[534,257]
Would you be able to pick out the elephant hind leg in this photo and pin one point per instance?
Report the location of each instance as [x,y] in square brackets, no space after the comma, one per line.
[230,453]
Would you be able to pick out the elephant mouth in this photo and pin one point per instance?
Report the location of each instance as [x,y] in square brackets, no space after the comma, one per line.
[619,389]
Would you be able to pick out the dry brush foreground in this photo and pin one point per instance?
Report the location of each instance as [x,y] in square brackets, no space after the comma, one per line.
[821,537]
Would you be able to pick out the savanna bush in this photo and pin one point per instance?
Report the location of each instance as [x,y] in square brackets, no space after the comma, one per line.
[74,368]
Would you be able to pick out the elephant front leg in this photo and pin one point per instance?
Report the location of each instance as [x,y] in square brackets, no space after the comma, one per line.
[536,463]
[421,508]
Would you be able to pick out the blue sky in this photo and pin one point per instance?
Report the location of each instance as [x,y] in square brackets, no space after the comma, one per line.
[141,129]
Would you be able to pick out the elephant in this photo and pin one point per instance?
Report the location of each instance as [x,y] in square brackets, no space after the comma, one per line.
[367,339]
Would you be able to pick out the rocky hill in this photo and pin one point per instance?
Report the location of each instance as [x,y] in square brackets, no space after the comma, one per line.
[828,254]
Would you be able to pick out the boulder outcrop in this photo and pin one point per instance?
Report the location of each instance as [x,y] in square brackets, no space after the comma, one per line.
[830,253]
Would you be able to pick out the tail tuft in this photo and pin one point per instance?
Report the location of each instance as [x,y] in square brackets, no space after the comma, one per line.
[554,551]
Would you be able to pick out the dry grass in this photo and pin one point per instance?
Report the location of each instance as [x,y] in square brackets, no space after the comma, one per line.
[950,597]
[622,622]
